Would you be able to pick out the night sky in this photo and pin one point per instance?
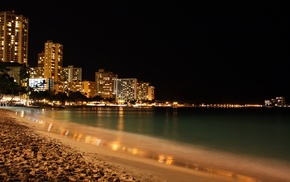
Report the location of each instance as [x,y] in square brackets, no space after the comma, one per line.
[196,51]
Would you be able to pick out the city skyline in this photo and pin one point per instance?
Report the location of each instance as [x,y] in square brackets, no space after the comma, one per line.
[222,53]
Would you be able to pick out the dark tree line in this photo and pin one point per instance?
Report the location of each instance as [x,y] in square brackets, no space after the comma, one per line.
[7,84]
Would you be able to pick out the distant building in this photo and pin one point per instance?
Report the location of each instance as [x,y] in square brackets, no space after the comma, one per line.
[151,93]
[277,102]
[145,92]
[104,83]
[89,89]
[14,38]
[53,64]
[53,61]
[76,86]
[38,71]
[41,84]
[72,74]
[125,89]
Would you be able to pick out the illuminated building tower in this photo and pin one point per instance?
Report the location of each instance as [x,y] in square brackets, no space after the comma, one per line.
[53,61]
[14,38]
[151,93]
[72,74]
[37,72]
[40,65]
[104,83]
[125,89]
[72,79]
[76,86]
[145,92]
[142,91]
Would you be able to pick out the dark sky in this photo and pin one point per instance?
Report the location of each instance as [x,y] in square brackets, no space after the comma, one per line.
[198,51]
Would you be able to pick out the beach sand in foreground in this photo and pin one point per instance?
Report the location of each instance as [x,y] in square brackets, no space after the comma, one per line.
[29,153]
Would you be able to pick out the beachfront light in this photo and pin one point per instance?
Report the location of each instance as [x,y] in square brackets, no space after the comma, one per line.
[88,139]
[134,151]
[115,147]
[169,160]
[161,158]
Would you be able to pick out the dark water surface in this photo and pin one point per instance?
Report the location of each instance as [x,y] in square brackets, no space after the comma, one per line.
[257,131]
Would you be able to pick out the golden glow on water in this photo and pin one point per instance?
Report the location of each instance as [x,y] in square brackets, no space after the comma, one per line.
[22,113]
[121,120]
[117,146]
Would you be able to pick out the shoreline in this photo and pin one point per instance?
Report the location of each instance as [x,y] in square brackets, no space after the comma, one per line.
[143,168]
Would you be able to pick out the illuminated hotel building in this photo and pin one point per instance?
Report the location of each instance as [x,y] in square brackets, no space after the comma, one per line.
[125,89]
[53,62]
[37,72]
[142,90]
[104,83]
[145,92]
[76,86]
[14,38]
[72,74]
[40,65]
[151,93]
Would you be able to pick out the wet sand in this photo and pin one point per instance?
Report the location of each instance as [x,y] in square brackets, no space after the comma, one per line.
[118,166]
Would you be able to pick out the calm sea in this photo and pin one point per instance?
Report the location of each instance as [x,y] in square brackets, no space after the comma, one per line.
[178,136]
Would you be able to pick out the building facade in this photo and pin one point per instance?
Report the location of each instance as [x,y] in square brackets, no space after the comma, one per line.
[53,63]
[125,89]
[72,74]
[89,89]
[41,84]
[142,91]
[145,92]
[276,102]
[104,83]
[151,93]
[14,38]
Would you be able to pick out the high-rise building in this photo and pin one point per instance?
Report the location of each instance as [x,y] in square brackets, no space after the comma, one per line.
[13,37]
[40,65]
[37,72]
[151,93]
[104,83]
[72,74]
[53,62]
[145,92]
[125,89]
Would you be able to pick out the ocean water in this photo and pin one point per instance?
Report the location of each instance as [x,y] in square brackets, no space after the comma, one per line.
[231,140]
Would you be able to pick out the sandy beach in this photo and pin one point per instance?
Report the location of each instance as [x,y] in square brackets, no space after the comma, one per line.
[31,154]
